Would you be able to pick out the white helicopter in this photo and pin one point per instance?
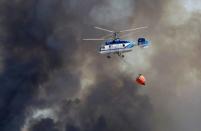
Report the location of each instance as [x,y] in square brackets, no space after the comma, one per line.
[116,45]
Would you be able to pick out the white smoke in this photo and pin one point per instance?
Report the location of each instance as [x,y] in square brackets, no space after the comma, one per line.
[113,11]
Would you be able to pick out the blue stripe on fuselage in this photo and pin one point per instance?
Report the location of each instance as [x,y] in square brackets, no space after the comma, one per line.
[130,46]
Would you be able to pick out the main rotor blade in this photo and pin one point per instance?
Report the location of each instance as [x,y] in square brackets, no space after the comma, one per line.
[133,29]
[99,28]
[106,36]
[93,39]
[127,35]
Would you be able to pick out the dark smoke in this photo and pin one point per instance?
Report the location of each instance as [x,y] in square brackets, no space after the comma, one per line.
[43,63]
[44,125]
[109,108]
[28,58]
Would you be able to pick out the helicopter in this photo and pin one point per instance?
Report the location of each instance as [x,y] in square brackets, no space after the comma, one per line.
[115,45]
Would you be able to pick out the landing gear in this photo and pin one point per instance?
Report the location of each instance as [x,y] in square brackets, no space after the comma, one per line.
[119,54]
[108,56]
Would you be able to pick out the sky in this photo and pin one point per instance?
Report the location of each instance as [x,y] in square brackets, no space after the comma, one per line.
[50,79]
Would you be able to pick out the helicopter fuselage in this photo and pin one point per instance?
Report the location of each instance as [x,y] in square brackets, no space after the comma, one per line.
[116,46]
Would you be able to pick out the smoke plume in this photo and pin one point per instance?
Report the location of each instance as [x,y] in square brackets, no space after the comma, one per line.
[52,80]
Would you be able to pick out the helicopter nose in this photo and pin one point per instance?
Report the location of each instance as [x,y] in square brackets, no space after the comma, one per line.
[132,44]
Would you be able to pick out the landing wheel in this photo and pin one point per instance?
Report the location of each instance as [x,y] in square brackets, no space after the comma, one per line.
[108,57]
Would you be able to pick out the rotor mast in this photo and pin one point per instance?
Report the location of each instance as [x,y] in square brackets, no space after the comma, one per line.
[116,35]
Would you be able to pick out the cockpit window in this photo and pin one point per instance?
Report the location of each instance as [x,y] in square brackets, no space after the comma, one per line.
[117,41]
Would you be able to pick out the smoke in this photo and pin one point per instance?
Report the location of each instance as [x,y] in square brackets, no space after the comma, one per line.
[44,125]
[172,67]
[113,10]
[27,60]
[52,80]
[44,65]
[31,53]
[111,107]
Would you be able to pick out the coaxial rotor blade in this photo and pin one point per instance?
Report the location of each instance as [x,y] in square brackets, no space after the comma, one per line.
[99,28]
[126,35]
[133,29]
[107,36]
[93,39]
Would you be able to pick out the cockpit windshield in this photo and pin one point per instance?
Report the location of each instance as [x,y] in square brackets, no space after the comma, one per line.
[117,41]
